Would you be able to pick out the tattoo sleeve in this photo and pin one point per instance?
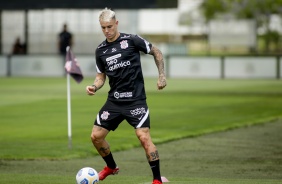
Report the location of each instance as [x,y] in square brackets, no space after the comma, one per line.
[104,150]
[158,57]
[153,156]
[100,80]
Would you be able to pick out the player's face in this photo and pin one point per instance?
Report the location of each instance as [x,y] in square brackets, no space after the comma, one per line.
[110,29]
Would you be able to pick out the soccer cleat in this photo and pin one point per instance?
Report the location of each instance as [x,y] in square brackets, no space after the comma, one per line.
[157,182]
[107,171]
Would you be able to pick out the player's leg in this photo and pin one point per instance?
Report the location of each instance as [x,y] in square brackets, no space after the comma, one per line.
[137,115]
[151,151]
[98,136]
[108,118]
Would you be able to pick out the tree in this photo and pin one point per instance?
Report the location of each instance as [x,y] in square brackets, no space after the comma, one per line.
[260,10]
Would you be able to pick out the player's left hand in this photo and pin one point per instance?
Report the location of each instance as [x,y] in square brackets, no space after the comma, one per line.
[161,82]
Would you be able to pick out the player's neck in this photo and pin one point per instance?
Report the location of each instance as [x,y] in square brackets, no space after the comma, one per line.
[114,38]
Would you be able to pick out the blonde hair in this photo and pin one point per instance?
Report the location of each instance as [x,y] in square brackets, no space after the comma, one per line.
[106,15]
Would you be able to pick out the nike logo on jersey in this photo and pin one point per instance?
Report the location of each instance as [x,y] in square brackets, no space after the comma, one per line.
[105,51]
[140,117]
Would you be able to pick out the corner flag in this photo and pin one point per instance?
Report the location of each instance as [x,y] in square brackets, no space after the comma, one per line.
[72,69]
[72,66]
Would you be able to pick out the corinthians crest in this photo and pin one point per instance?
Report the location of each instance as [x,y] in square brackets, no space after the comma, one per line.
[123,44]
[105,115]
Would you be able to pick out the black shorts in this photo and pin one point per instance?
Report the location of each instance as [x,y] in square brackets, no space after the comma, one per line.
[113,113]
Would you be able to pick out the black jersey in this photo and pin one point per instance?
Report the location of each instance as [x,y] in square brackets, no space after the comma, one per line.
[120,61]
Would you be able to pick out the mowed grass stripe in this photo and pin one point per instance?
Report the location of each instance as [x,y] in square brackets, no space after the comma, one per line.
[249,155]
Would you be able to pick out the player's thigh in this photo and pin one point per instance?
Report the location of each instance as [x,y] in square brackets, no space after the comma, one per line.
[109,117]
[137,115]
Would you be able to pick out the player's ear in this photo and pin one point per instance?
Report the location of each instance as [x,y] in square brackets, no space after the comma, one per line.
[117,22]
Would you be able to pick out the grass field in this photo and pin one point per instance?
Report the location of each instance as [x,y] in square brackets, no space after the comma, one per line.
[33,122]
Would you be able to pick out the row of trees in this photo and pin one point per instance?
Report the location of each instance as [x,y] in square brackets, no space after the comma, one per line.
[259,10]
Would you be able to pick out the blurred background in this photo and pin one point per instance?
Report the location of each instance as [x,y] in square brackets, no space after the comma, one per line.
[199,38]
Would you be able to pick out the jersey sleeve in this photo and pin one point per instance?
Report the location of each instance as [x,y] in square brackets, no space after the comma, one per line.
[142,44]
[100,68]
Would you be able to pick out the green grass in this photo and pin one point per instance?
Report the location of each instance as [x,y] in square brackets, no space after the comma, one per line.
[34,142]
[34,113]
[249,155]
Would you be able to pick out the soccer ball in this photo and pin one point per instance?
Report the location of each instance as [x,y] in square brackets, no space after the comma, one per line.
[87,175]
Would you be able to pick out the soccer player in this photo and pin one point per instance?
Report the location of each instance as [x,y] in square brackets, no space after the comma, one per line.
[118,57]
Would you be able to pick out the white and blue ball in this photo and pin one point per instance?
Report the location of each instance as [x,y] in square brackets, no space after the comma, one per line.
[87,175]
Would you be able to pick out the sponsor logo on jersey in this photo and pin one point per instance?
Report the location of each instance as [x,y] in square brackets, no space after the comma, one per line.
[118,95]
[114,64]
[123,44]
[113,57]
[118,65]
[114,49]
[138,111]
[105,115]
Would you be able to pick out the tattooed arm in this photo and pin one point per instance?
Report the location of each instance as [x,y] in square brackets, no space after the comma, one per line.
[158,57]
[98,83]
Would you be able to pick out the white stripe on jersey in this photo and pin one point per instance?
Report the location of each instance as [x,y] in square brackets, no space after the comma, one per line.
[146,43]
[143,119]
[98,71]
[98,119]
[147,46]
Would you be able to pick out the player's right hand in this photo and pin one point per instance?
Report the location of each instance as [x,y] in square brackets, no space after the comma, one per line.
[161,82]
[90,90]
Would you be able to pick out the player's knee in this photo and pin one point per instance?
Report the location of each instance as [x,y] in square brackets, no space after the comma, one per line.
[95,139]
[145,141]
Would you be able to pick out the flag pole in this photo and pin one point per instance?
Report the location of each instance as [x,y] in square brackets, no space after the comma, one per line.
[69,111]
[73,70]
[69,107]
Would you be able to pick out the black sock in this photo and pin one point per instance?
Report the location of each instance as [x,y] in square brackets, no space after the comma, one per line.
[155,166]
[110,161]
